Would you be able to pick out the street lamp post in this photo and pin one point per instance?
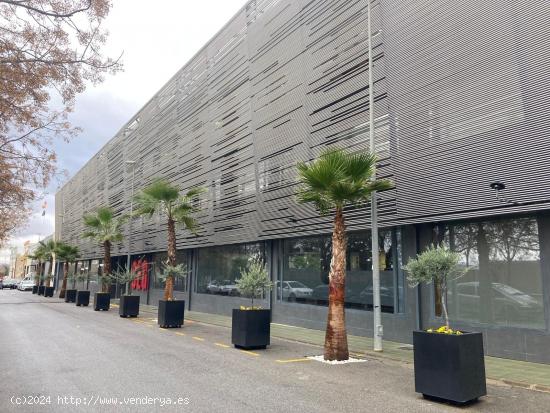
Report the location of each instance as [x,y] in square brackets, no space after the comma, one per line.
[133,164]
[378,329]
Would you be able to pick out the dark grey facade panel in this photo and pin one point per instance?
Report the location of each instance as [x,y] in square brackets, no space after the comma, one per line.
[461,91]
[468,105]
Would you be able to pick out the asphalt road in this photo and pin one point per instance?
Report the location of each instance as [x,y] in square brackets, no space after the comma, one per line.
[67,358]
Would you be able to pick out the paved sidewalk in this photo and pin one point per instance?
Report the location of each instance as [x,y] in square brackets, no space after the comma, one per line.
[512,372]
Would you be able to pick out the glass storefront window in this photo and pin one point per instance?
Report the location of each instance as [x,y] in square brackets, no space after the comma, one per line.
[504,283]
[157,266]
[306,266]
[82,269]
[219,267]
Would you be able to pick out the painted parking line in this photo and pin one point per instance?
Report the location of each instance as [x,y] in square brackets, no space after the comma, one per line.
[115,305]
[137,320]
[198,338]
[143,323]
[293,360]
[180,334]
[250,353]
[221,345]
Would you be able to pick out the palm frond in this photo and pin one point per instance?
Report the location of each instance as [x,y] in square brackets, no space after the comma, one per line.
[104,214]
[189,223]
[91,221]
[360,166]
[194,192]
[103,226]
[146,205]
[338,178]
[322,204]
[162,190]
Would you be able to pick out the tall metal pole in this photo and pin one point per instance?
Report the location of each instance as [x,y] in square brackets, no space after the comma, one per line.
[133,163]
[378,329]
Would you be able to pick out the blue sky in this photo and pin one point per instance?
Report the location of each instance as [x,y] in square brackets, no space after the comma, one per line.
[156,41]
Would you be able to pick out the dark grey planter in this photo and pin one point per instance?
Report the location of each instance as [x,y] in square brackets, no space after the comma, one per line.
[41,289]
[35,289]
[449,367]
[250,329]
[70,296]
[82,298]
[102,301]
[129,306]
[48,292]
[171,313]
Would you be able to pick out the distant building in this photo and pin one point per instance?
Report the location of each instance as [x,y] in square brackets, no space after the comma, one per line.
[13,261]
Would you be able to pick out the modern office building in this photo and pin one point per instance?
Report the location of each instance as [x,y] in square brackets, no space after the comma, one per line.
[462,109]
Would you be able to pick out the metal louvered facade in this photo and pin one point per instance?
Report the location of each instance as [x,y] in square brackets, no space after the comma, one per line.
[462,100]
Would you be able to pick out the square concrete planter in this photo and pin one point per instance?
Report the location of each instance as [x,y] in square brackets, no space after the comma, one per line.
[82,298]
[129,306]
[70,296]
[35,289]
[41,289]
[48,292]
[171,313]
[449,367]
[102,301]
[250,329]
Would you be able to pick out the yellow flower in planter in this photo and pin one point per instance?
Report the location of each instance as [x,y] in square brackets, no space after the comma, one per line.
[445,330]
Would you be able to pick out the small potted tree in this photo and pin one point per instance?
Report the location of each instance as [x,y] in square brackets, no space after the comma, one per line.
[82,296]
[250,326]
[129,304]
[171,312]
[48,291]
[70,293]
[41,286]
[36,283]
[448,364]
[102,299]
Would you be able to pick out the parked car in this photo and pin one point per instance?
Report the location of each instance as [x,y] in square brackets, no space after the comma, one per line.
[320,295]
[386,296]
[293,290]
[228,287]
[1,285]
[9,283]
[509,303]
[26,284]
[214,287]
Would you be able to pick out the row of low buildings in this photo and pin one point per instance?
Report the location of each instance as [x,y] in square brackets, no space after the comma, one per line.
[462,109]
[22,265]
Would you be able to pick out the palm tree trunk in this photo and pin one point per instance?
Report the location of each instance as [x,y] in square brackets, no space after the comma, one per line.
[48,279]
[336,339]
[38,270]
[64,284]
[169,288]
[106,263]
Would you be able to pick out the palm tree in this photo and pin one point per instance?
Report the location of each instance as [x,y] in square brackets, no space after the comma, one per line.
[41,256]
[104,228]
[50,248]
[332,182]
[165,198]
[68,254]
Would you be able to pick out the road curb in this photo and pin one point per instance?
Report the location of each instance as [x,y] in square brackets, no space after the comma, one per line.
[491,380]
